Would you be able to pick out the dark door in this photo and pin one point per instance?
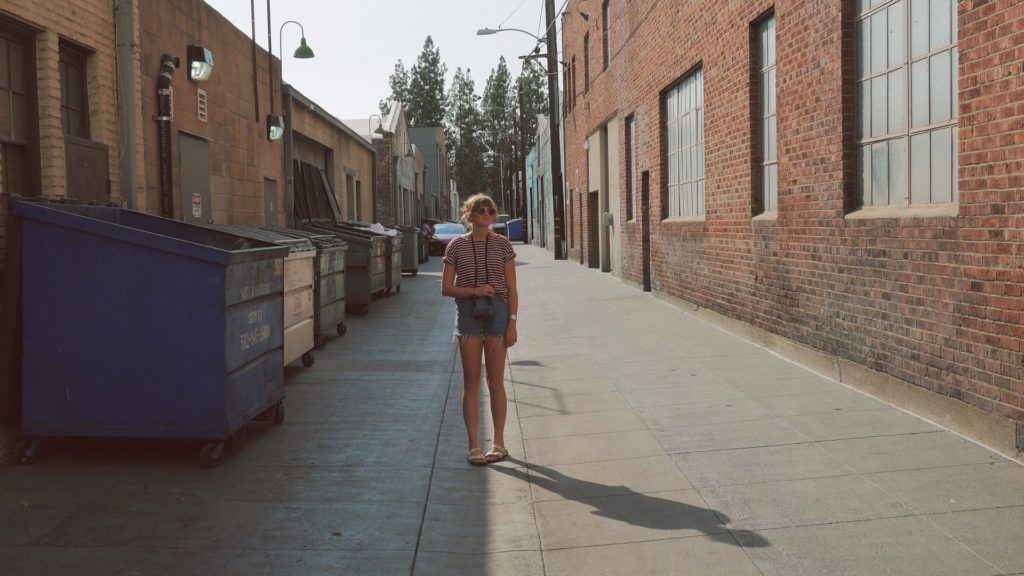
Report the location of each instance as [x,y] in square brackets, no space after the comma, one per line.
[645,227]
[593,231]
[269,202]
[196,203]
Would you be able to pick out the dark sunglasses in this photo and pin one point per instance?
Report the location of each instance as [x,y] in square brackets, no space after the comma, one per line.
[490,211]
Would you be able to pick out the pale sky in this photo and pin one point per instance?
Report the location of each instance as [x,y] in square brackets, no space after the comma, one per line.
[357,42]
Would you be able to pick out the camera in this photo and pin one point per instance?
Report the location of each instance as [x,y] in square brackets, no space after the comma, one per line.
[482,307]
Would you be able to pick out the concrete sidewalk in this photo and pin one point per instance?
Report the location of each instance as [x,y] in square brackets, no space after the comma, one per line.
[643,441]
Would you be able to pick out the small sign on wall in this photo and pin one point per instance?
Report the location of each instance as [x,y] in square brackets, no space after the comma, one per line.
[197,206]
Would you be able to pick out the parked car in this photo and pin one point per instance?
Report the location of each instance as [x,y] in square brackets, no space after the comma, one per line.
[500,222]
[444,233]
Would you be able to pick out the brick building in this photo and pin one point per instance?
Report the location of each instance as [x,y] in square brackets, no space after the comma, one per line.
[842,181]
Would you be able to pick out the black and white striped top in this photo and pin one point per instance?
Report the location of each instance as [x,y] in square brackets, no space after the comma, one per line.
[459,254]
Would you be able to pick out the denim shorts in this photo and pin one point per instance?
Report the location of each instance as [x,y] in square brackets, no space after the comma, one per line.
[466,326]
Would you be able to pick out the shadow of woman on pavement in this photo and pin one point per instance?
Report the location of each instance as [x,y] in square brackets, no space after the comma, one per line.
[622,504]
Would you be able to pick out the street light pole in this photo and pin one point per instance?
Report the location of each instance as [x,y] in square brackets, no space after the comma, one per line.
[551,39]
[556,152]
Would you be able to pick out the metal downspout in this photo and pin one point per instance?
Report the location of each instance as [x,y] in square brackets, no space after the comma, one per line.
[164,110]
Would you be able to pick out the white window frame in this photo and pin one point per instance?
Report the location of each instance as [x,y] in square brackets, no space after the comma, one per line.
[767,91]
[906,147]
[684,159]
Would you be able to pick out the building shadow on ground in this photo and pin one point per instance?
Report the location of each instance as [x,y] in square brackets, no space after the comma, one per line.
[622,504]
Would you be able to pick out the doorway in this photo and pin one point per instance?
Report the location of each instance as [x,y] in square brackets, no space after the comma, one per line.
[194,168]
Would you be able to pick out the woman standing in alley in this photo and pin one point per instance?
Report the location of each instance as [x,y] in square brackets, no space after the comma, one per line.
[480,273]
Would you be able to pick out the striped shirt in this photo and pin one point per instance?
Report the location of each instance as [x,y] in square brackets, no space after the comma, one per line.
[459,254]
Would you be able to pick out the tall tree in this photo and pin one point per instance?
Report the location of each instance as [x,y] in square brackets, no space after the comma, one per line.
[399,83]
[463,126]
[426,98]
[499,113]
[533,83]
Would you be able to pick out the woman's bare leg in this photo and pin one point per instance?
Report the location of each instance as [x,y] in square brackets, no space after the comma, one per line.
[494,353]
[470,350]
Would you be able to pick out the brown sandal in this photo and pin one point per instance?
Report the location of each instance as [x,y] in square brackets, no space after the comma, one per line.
[496,454]
[476,457]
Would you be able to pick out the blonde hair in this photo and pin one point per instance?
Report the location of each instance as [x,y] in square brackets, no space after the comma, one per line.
[471,204]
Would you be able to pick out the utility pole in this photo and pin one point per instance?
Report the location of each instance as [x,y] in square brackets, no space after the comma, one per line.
[522,152]
[556,152]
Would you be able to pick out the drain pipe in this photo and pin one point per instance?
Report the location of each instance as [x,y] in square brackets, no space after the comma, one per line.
[164,115]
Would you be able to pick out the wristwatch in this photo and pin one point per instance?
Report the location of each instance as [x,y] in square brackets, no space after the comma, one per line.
[513,317]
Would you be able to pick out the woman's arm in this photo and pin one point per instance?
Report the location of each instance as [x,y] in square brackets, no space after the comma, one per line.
[511,334]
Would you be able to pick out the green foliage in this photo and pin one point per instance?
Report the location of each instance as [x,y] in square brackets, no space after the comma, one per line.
[426,98]
[464,122]
[399,83]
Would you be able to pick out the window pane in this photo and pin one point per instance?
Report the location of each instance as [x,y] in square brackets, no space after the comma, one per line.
[772,83]
[919,93]
[918,27]
[864,109]
[880,174]
[879,40]
[863,41]
[772,201]
[897,32]
[940,24]
[954,87]
[862,6]
[773,138]
[879,109]
[17,63]
[700,125]
[920,169]
[864,174]
[700,87]
[940,88]
[700,161]
[897,171]
[19,107]
[942,165]
[6,126]
[700,196]
[897,105]
[771,41]
[4,72]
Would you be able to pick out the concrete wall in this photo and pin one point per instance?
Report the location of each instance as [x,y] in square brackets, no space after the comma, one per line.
[931,298]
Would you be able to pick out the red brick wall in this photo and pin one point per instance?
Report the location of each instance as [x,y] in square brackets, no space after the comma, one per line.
[384,199]
[933,300]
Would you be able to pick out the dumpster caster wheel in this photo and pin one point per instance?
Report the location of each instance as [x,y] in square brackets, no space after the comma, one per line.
[320,342]
[308,359]
[238,438]
[210,456]
[399,289]
[279,413]
[27,451]
[342,329]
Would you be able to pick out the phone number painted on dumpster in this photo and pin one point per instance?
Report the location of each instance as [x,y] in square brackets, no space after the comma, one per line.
[257,334]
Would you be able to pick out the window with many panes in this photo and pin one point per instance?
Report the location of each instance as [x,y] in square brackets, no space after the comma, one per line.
[684,126]
[906,66]
[15,115]
[630,168]
[74,99]
[586,63]
[766,91]
[606,19]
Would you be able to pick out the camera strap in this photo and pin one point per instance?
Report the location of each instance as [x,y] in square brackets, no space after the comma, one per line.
[476,262]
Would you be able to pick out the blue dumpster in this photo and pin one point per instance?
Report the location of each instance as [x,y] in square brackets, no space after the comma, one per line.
[139,326]
[516,230]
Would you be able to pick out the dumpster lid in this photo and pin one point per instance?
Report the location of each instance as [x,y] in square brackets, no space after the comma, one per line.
[266,235]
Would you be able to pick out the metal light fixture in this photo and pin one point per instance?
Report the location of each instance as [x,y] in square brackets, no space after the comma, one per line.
[275,127]
[200,63]
[584,15]
[303,51]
